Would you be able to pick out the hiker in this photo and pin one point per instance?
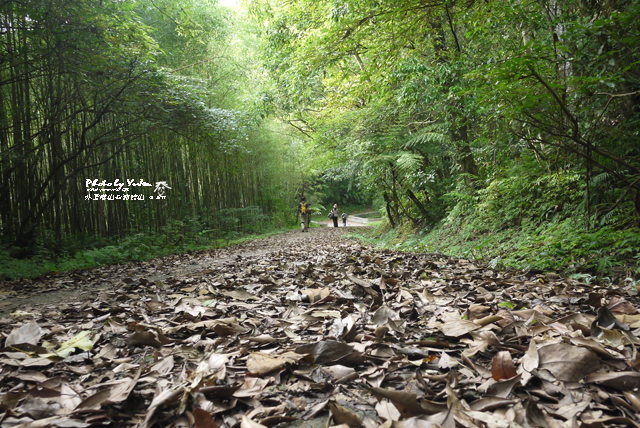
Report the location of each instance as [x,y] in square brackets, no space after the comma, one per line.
[304,209]
[334,215]
[344,219]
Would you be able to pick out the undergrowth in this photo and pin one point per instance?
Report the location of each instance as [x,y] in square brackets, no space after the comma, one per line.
[527,222]
[132,248]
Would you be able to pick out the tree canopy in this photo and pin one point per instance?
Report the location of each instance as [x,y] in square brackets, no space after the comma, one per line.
[518,110]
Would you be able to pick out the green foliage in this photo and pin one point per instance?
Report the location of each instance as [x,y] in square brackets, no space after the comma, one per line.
[327,190]
[505,131]
[160,91]
[527,221]
[447,109]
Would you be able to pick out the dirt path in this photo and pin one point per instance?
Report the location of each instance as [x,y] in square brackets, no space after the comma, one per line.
[315,329]
[29,294]
[329,223]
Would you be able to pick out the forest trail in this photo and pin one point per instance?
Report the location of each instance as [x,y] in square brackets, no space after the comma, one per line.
[27,294]
[298,326]
[329,223]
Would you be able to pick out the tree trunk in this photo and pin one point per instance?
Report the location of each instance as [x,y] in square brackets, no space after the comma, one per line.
[387,206]
[419,204]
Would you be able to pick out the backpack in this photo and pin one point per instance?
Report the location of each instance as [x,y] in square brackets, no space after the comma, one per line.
[303,208]
[330,214]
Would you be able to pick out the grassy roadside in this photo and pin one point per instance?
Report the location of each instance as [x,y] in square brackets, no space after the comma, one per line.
[133,248]
[136,247]
[564,247]
[531,221]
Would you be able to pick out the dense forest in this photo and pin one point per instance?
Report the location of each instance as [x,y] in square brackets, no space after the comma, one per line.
[505,131]
[98,97]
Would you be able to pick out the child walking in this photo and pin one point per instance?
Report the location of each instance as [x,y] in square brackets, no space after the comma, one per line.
[344,219]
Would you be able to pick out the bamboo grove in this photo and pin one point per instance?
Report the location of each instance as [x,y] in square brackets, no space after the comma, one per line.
[97,91]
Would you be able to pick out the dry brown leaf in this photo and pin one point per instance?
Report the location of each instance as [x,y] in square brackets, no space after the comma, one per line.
[248,423]
[490,403]
[446,362]
[457,328]
[407,403]
[121,391]
[491,420]
[263,338]
[622,306]
[28,333]
[624,381]
[252,387]
[272,421]
[488,320]
[326,350]
[95,401]
[204,367]
[383,315]
[239,295]
[202,419]
[143,338]
[534,417]
[504,387]
[567,362]
[414,423]
[163,366]
[634,399]
[531,360]
[224,330]
[342,415]
[261,363]
[502,366]
[593,345]
[606,320]
[387,411]
[161,398]
[338,371]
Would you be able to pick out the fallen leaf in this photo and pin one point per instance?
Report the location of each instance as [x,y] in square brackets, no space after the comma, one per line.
[261,363]
[121,391]
[567,362]
[248,423]
[342,415]
[413,423]
[446,362]
[624,381]
[202,419]
[531,360]
[490,403]
[534,417]
[622,306]
[28,333]
[607,320]
[502,366]
[264,338]
[326,350]
[143,338]
[407,402]
[457,328]
[503,388]
[386,410]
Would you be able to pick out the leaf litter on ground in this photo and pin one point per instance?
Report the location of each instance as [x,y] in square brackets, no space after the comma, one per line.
[317,327]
